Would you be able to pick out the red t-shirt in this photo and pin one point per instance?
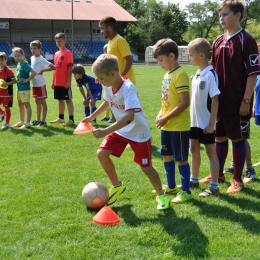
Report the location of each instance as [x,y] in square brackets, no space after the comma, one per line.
[62,60]
[234,59]
[7,75]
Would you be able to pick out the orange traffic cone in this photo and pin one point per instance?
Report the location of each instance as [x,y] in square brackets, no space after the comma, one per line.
[83,128]
[106,217]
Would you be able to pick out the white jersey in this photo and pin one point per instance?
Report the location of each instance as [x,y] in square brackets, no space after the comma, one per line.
[124,99]
[37,64]
[204,88]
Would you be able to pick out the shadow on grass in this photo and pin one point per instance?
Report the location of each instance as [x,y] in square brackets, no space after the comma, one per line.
[221,212]
[191,241]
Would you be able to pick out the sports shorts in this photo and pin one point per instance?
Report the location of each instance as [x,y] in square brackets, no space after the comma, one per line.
[39,92]
[117,144]
[23,95]
[62,93]
[6,101]
[198,133]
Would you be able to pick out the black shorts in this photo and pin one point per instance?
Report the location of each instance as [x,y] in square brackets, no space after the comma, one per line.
[198,133]
[62,93]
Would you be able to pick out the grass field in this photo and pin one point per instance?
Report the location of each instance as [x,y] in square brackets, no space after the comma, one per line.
[42,174]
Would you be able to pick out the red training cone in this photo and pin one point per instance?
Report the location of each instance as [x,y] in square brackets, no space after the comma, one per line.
[106,217]
[83,128]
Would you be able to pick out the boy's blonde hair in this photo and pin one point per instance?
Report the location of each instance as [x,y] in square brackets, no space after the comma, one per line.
[60,35]
[3,55]
[18,49]
[165,47]
[236,6]
[79,69]
[105,63]
[201,45]
[36,43]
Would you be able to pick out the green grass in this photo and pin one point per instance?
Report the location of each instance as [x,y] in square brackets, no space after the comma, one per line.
[42,174]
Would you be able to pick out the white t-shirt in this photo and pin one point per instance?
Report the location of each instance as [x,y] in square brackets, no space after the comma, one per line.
[204,87]
[37,64]
[124,99]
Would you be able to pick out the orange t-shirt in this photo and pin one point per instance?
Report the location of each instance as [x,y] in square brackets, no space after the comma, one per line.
[62,60]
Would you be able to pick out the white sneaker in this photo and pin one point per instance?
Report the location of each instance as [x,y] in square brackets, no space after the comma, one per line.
[2,116]
[5,126]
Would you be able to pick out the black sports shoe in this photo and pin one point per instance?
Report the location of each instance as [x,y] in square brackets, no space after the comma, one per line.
[36,122]
[42,123]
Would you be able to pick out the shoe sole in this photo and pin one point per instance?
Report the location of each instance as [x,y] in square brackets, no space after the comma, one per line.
[116,197]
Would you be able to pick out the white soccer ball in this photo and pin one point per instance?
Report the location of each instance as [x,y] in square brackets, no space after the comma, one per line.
[95,195]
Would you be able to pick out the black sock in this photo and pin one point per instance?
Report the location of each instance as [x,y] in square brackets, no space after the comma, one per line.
[61,116]
[71,118]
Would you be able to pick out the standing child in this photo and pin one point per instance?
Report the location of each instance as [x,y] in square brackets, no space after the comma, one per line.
[94,89]
[61,83]
[131,127]
[39,92]
[24,74]
[174,118]
[235,60]
[203,112]
[6,90]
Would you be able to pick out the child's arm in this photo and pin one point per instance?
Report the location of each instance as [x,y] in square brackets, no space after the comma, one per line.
[122,122]
[185,102]
[213,115]
[49,68]
[6,84]
[103,107]
[32,75]
[250,85]
[69,77]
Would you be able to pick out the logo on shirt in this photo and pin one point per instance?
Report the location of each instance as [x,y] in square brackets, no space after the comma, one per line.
[62,58]
[202,85]
[118,106]
[253,59]
[244,126]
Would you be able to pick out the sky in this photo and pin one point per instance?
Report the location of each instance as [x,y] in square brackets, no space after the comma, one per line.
[183,3]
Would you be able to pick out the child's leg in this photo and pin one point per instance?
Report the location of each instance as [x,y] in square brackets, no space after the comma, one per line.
[44,109]
[28,111]
[184,169]
[108,166]
[61,108]
[21,110]
[169,166]
[214,163]
[154,178]
[70,107]
[195,159]
[238,151]
[7,115]
[38,109]
[221,146]
[2,111]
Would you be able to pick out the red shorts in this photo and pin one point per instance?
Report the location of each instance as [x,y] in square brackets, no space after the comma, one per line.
[39,92]
[6,101]
[117,144]
[233,126]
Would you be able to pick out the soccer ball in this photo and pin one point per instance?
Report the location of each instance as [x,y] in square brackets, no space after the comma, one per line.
[95,195]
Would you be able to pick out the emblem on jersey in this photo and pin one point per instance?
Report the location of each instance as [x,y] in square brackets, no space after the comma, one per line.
[144,161]
[253,59]
[61,58]
[244,126]
[202,85]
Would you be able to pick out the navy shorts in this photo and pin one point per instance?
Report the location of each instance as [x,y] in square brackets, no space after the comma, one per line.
[175,144]
[96,95]
[198,133]
[257,120]
[62,93]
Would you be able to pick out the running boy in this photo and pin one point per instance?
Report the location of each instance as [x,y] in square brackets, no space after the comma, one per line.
[131,127]
[24,74]
[94,89]
[61,83]
[6,90]
[39,92]
[203,113]
[235,60]
[174,118]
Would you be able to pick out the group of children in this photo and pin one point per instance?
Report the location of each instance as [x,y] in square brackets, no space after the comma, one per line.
[61,84]
[219,109]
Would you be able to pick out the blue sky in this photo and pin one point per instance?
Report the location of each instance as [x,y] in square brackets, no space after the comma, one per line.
[183,3]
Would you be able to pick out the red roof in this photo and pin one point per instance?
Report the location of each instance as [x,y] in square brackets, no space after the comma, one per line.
[87,10]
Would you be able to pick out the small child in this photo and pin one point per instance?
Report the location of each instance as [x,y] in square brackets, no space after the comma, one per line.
[6,90]
[174,118]
[94,89]
[39,92]
[61,83]
[203,112]
[24,74]
[131,127]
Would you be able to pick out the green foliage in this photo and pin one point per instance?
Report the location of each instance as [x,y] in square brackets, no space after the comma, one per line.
[43,171]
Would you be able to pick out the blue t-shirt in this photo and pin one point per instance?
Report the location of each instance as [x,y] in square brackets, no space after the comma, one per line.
[23,71]
[89,83]
[257,96]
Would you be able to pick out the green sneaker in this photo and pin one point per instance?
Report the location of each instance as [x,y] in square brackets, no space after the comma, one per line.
[163,202]
[114,192]
[167,190]
[181,197]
